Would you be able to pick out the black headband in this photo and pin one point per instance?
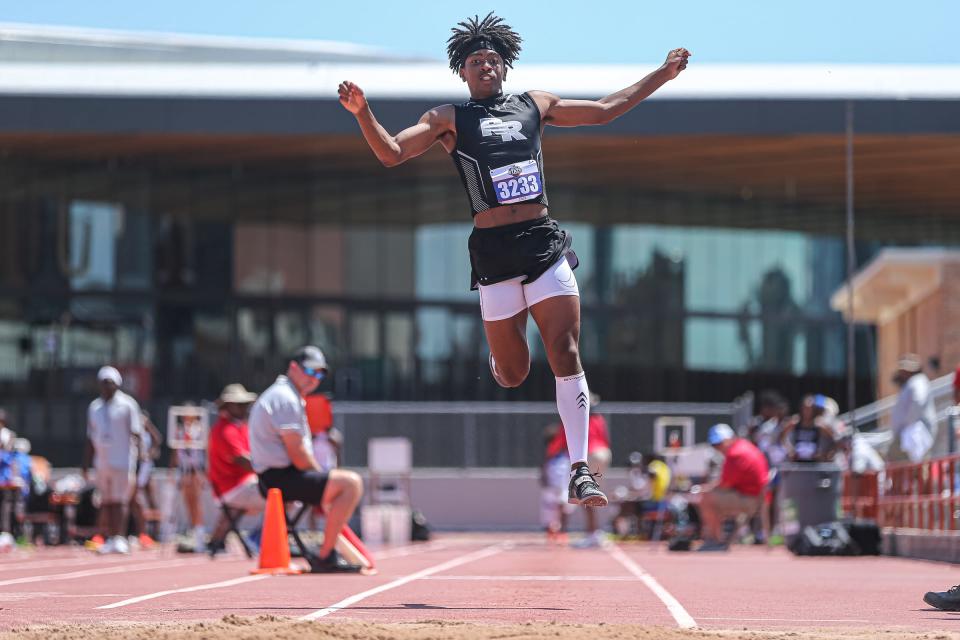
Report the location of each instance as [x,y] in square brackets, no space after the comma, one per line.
[479,44]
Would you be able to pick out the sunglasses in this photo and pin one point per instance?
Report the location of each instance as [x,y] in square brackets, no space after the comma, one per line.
[319,374]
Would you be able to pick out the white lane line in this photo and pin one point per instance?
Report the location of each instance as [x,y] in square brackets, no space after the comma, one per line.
[393,553]
[91,559]
[408,550]
[684,619]
[399,582]
[540,578]
[788,620]
[165,564]
[199,587]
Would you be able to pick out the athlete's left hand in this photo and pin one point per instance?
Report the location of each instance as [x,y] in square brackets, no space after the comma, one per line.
[676,62]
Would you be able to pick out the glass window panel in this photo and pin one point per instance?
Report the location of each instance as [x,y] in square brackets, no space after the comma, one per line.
[719,345]
[398,330]
[94,228]
[253,331]
[585,247]
[14,336]
[289,331]
[434,339]
[442,262]
[364,335]
[380,261]
[212,334]
[723,269]
[326,330]
[135,251]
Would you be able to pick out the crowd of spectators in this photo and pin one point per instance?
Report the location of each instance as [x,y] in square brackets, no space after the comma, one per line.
[114,499]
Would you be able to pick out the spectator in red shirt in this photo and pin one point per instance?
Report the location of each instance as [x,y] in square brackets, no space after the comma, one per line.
[740,489]
[230,471]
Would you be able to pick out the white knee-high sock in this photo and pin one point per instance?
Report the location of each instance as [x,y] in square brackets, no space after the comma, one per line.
[573,403]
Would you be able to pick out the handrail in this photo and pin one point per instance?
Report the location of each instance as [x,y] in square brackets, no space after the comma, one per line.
[940,388]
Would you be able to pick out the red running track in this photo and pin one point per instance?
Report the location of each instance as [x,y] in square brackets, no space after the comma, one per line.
[490,578]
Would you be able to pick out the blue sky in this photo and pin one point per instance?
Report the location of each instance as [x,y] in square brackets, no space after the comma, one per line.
[854,31]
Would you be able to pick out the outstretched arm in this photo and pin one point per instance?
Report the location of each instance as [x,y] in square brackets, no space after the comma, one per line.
[574,113]
[409,143]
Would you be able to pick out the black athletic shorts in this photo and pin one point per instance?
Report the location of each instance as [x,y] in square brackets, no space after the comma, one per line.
[525,248]
[294,484]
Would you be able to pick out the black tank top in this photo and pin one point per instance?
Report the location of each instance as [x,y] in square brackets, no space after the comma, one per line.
[806,442]
[498,151]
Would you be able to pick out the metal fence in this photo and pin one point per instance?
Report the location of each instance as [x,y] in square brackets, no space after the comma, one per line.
[509,434]
[444,434]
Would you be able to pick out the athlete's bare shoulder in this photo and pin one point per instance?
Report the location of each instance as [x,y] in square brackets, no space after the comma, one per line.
[442,114]
[442,121]
[544,100]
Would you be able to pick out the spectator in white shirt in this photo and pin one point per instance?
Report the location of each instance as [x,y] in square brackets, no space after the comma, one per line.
[913,418]
[113,431]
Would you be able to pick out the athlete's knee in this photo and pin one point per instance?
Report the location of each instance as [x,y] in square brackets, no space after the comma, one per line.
[512,374]
[564,353]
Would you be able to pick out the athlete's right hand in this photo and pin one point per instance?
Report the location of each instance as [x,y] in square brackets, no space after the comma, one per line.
[351,97]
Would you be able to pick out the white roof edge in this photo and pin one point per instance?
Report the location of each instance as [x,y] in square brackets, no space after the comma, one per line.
[79,36]
[434,81]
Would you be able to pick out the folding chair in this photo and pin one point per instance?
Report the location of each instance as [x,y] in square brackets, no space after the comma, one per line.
[232,516]
[292,523]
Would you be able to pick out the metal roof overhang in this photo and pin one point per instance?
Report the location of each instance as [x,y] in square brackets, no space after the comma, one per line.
[759,134]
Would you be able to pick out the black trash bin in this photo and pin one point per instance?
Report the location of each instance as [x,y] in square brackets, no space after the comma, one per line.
[809,495]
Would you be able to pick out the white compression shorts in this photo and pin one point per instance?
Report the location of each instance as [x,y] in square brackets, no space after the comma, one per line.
[508,298]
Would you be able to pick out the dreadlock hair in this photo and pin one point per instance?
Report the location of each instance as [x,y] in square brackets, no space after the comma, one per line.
[504,39]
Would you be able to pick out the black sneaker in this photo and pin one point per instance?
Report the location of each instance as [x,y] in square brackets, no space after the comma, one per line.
[944,600]
[215,547]
[584,489]
[333,563]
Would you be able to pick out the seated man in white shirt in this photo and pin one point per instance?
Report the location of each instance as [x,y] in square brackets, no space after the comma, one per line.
[280,449]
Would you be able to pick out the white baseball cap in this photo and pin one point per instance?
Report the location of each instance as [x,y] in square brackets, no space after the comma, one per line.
[310,356]
[111,374]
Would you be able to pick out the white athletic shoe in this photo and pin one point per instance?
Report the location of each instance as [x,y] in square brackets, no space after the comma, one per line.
[109,546]
[199,540]
[120,545]
[595,540]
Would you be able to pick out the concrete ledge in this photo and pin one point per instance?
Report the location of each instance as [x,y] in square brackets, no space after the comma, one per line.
[942,546]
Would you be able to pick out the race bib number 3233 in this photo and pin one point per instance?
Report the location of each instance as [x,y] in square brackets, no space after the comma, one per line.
[517,182]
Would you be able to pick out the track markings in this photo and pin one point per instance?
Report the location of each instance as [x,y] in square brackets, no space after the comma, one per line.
[164,564]
[199,587]
[90,559]
[443,566]
[684,619]
[816,620]
[540,578]
[393,553]
[409,550]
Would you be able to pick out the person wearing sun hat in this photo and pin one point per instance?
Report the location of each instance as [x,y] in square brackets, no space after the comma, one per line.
[229,466]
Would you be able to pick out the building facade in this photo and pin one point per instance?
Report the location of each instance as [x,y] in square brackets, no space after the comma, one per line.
[194,216]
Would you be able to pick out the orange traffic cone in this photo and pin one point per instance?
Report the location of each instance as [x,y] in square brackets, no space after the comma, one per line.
[274,545]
